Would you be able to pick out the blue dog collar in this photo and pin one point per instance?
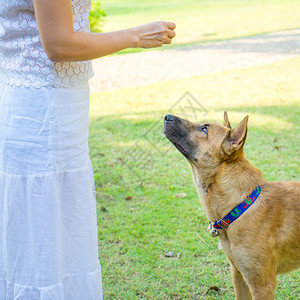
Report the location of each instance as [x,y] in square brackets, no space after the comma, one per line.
[235,213]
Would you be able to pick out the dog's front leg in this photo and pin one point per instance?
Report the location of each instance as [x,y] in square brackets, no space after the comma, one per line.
[264,290]
[241,288]
[256,267]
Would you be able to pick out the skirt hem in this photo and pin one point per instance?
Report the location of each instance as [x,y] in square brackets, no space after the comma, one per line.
[81,288]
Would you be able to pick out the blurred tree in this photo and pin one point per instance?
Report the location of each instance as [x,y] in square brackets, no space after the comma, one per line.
[96,16]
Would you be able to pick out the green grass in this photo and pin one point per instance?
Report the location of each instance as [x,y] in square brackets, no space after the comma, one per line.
[200,21]
[144,219]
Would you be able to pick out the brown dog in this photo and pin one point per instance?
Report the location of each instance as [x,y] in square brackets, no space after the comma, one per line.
[264,239]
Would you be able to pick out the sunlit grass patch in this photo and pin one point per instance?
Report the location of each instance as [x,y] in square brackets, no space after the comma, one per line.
[205,20]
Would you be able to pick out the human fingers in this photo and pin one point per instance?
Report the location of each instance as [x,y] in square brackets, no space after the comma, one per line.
[154,34]
[171,25]
[167,41]
[171,34]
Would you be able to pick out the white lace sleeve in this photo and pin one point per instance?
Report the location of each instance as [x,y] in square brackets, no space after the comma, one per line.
[23,60]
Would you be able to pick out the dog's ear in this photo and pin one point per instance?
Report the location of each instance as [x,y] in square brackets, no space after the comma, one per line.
[226,120]
[239,134]
[236,137]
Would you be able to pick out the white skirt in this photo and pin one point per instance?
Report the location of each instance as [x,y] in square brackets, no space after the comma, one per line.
[48,223]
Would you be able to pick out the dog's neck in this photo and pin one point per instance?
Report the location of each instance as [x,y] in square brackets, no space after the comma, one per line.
[222,188]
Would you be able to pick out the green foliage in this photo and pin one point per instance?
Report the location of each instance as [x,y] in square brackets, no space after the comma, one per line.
[96,16]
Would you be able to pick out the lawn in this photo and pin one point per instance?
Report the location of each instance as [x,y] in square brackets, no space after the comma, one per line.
[140,179]
[200,21]
[147,204]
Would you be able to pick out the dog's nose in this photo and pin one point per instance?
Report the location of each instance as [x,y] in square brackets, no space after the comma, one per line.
[169,118]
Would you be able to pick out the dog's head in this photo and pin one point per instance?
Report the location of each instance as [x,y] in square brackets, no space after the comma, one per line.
[206,144]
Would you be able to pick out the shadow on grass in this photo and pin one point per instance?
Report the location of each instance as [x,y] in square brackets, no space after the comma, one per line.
[283,42]
[139,127]
[128,151]
[287,113]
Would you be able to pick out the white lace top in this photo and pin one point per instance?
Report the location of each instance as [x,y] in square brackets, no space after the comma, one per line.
[23,60]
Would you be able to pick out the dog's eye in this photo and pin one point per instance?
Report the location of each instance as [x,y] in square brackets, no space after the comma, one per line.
[203,129]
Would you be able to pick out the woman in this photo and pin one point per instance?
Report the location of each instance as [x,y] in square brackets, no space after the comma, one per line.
[48,224]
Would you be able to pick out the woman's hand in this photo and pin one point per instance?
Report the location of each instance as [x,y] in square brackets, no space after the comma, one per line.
[61,43]
[154,34]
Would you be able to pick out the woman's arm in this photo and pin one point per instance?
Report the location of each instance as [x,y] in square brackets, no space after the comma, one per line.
[61,43]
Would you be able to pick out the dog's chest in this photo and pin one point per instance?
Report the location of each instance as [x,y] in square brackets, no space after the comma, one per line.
[224,244]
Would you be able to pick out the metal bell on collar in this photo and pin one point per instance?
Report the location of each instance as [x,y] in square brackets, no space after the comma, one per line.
[214,232]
